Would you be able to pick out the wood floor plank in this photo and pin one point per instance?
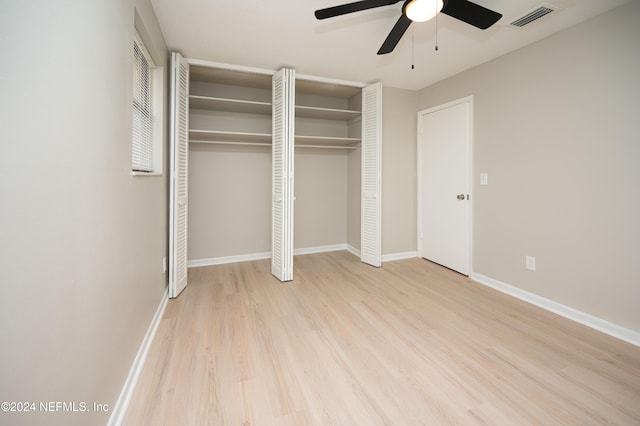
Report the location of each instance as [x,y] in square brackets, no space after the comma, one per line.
[410,343]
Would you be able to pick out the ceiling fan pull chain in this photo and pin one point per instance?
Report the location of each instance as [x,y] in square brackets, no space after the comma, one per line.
[436,26]
[413,45]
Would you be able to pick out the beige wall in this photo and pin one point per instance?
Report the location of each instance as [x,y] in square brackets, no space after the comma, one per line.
[557,130]
[354,181]
[230,200]
[82,240]
[399,147]
[320,211]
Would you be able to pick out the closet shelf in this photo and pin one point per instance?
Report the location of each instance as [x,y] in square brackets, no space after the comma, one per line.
[232,105]
[256,107]
[221,136]
[326,113]
[326,141]
[229,138]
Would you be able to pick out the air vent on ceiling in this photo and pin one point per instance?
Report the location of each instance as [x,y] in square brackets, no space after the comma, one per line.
[535,14]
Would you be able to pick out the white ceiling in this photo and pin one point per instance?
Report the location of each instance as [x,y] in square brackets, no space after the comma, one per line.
[275,33]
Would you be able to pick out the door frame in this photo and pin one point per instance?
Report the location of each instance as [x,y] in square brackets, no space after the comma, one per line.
[469,161]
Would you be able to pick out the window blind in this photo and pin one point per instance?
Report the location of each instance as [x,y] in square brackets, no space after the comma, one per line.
[142,151]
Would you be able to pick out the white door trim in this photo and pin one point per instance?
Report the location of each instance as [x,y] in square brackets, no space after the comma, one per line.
[468,100]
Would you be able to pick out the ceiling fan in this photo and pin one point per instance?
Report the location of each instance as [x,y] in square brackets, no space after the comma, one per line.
[419,11]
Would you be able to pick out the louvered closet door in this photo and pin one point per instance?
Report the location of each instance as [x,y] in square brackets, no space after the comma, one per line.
[282,175]
[370,249]
[178,178]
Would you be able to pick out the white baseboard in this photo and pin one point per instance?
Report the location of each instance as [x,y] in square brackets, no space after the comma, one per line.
[263,255]
[354,251]
[399,256]
[583,318]
[319,249]
[120,408]
[228,259]
[296,252]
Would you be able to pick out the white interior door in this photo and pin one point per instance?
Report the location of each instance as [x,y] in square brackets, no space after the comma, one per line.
[282,174]
[444,183]
[370,246]
[178,174]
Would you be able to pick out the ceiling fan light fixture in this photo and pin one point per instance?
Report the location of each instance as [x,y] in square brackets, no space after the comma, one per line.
[422,10]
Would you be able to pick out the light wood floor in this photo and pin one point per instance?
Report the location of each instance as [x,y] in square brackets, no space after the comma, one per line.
[411,343]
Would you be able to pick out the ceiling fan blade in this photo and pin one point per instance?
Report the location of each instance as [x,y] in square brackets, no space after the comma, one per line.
[471,13]
[395,35]
[343,9]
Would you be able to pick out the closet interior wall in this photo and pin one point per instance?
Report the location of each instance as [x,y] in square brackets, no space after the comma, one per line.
[230,167]
[327,180]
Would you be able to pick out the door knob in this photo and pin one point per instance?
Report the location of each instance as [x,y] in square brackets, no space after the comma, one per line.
[460,196]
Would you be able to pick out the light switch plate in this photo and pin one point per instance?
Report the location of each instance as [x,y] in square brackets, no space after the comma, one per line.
[530,263]
[484,179]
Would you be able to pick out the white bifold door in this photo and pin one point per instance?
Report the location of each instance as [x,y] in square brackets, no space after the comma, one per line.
[370,246]
[282,174]
[178,174]
[282,212]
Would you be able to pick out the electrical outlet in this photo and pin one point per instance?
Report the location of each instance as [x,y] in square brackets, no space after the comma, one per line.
[164,264]
[530,263]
